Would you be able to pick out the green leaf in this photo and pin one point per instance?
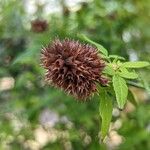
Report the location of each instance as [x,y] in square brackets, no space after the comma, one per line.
[146,85]
[105,109]
[116,57]
[32,51]
[109,70]
[132,98]
[126,74]
[121,90]
[135,84]
[99,47]
[138,64]
[27,56]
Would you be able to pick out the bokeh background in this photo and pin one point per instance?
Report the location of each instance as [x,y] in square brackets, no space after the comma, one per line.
[35,116]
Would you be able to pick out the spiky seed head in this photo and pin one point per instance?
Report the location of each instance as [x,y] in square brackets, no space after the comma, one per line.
[73,67]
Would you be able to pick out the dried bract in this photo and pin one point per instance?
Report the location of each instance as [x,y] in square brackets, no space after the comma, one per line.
[74,67]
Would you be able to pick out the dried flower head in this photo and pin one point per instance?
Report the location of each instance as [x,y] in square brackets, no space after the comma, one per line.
[73,67]
[39,25]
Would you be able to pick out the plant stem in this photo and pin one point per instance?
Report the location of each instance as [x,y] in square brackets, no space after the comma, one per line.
[135,84]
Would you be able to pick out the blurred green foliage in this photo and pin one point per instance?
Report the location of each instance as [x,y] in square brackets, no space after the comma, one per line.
[120,26]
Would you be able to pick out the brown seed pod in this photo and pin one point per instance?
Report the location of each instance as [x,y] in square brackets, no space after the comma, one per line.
[39,25]
[73,67]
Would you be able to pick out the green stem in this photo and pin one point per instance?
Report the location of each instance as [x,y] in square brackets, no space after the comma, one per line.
[135,84]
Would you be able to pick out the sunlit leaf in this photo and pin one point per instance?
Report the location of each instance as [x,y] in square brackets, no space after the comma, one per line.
[121,90]
[126,74]
[99,46]
[109,70]
[105,113]
[138,64]
[116,57]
